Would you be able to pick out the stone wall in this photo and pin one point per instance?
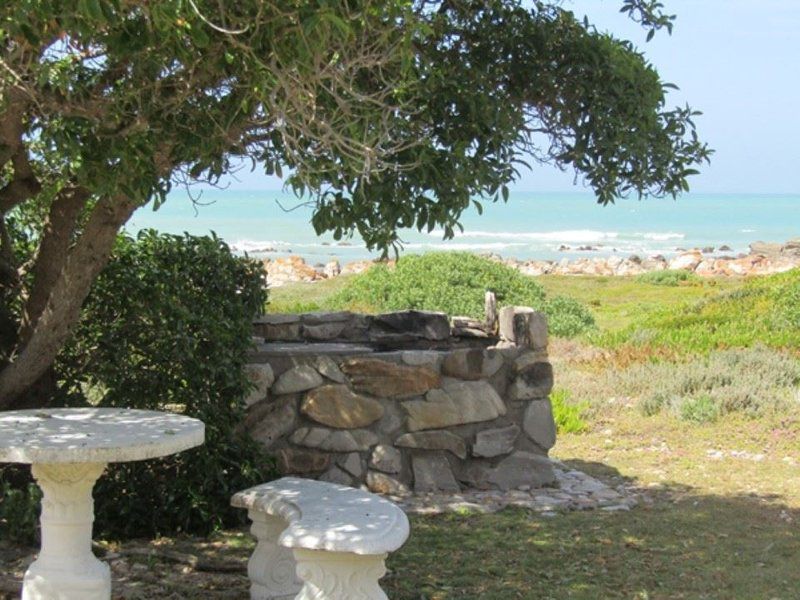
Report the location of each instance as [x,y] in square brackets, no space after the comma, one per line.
[405,401]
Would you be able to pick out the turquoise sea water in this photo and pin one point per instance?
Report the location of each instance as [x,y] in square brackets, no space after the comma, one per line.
[530,225]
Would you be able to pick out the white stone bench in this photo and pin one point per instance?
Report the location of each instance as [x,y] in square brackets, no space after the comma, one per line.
[319,540]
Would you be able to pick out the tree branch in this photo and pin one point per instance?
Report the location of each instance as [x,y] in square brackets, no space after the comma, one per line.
[62,310]
[52,254]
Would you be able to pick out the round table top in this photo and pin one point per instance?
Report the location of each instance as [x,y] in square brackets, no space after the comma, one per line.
[101,435]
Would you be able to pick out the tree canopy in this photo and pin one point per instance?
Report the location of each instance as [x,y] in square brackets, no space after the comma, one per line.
[387,114]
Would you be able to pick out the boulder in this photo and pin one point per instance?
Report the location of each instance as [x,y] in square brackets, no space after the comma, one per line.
[495,442]
[334,440]
[434,440]
[292,461]
[337,406]
[261,377]
[472,363]
[297,379]
[533,381]
[332,269]
[457,403]
[522,469]
[386,458]
[380,483]
[388,380]
[523,326]
[432,473]
[539,424]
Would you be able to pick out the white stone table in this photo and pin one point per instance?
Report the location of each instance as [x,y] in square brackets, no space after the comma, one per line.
[68,450]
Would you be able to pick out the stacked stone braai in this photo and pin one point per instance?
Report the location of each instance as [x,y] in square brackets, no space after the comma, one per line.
[403,401]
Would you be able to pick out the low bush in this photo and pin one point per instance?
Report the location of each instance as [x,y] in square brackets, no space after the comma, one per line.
[568,415]
[669,277]
[455,283]
[766,310]
[167,326]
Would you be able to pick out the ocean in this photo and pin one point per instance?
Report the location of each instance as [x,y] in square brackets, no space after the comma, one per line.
[545,226]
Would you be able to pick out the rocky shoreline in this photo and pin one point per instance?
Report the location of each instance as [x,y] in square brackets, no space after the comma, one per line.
[763,259]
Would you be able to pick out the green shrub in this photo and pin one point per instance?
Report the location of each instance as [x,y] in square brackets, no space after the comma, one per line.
[455,283]
[765,311]
[568,415]
[167,327]
[19,505]
[752,381]
[668,277]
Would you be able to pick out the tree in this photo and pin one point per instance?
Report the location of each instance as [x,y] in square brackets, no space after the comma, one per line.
[388,114]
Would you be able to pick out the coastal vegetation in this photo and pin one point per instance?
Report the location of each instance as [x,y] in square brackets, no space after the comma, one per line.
[106,106]
[455,283]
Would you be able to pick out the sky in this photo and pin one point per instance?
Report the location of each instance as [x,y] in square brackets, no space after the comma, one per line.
[738,61]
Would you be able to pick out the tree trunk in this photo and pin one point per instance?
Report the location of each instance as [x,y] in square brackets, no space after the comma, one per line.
[69,289]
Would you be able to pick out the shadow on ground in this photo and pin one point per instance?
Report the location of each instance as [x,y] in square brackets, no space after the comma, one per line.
[677,544]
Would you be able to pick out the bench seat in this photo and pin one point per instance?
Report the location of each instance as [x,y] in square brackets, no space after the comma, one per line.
[319,540]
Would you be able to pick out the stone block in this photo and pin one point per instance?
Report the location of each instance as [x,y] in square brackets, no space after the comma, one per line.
[284,332]
[337,406]
[432,473]
[421,324]
[354,440]
[323,317]
[322,332]
[270,420]
[386,458]
[472,363]
[434,440]
[337,476]
[261,377]
[534,382]
[423,358]
[380,483]
[524,327]
[387,380]
[328,368]
[292,461]
[539,424]
[297,379]
[522,469]
[351,463]
[495,442]
[456,404]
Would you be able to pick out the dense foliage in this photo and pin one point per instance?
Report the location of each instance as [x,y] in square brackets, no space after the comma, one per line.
[765,310]
[456,283]
[167,327]
[384,115]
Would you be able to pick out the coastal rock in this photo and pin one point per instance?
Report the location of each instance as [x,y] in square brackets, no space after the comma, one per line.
[289,269]
[472,363]
[386,458]
[355,440]
[432,473]
[522,469]
[495,442]
[332,269]
[457,403]
[686,262]
[297,379]
[539,424]
[357,267]
[434,440]
[388,380]
[337,406]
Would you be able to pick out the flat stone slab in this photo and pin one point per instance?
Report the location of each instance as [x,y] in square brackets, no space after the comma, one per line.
[574,490]
[100,435]
[327,516]
[302,349]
